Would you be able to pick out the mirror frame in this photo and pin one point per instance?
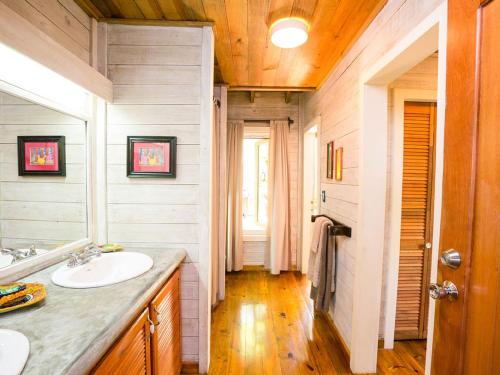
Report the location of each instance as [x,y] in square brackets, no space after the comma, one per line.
[94,114]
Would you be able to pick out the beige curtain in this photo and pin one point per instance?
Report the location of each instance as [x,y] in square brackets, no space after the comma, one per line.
[234,243]
[279,256]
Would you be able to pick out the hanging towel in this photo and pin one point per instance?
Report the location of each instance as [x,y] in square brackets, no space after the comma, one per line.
[317,258]
[316,237]
[322,293]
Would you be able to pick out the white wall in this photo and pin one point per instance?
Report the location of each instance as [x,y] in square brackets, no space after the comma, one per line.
[338,103]
[157,74]
[45,210]
[270,106]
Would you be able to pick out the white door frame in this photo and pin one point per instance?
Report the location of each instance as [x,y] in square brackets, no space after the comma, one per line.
[306,220]
[421,42]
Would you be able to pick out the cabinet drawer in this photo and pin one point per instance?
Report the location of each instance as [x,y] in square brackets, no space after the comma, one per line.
[130,354]
[166,341]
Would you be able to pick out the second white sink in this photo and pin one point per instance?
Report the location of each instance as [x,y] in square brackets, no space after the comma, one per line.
[104,270]
[14,351]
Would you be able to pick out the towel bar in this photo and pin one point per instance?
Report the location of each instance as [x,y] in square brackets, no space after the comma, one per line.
[337,229]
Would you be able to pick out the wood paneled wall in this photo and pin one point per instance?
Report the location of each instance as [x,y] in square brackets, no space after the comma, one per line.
[337,101]
[272,106]
[156,75]
[47,211]
[62,20]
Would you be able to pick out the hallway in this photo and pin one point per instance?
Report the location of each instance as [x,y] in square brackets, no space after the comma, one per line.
[265,326]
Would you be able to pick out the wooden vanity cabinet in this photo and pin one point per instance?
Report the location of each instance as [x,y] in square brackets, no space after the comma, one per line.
[131,353]
[164,311]
[140,352]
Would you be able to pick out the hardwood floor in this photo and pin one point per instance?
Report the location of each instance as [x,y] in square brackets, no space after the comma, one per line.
[266,326]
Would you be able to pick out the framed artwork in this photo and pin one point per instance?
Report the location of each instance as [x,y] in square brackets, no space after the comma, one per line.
[329,160]
[151,156]
[338,163]
[41,155]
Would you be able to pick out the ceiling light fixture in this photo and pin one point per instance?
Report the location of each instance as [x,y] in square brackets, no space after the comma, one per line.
[289,32]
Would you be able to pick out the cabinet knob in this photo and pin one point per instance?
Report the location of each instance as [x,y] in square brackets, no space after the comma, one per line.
[158,315]
[151,326]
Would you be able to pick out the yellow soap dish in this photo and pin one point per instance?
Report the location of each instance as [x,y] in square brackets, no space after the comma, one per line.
[110,247]
[33,294]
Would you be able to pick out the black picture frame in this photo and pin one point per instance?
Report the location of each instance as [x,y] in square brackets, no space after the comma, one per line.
[61,145]
[152,139]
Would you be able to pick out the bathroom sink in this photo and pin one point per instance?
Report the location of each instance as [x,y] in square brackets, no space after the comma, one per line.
[104,270]
[6,259]
[14,351]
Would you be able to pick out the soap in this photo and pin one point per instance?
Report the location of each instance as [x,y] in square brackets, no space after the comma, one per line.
[5,290]
[110,247]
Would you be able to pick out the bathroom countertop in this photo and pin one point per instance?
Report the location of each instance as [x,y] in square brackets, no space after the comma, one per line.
[71,330]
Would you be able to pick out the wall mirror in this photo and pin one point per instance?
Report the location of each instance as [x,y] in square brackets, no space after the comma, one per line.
[43,180]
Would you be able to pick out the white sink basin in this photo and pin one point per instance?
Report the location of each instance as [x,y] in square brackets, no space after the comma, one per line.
[14,351]
[104,270]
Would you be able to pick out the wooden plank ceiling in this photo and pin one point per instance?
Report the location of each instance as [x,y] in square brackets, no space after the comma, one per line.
[245,56]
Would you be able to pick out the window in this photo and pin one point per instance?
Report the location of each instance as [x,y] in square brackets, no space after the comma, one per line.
[255,185]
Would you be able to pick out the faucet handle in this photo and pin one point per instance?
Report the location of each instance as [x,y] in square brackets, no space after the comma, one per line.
[32,250]
[74,259]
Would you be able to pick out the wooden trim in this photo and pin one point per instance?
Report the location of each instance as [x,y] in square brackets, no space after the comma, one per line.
[189,368]
[253,268]
[94,53]
[343,346]
[19,34]
[270,88]
[144,22]
[424,310]
[89,8]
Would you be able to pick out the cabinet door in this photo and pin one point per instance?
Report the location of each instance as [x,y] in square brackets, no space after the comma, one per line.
[130,354]
[166,340]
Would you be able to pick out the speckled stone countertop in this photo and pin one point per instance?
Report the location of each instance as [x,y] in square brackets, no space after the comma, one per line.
[71,330]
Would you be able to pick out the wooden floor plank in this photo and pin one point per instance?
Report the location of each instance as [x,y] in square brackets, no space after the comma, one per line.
[267,325]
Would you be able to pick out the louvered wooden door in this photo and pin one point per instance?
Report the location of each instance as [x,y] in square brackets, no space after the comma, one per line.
[130,354]
[166,340]
[416,220]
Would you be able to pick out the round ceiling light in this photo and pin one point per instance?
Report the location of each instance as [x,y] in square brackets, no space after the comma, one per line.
[289,32]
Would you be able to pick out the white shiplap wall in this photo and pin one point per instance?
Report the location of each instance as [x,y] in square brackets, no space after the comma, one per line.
[156,73]
[271,106]
[337,101]
[47,211]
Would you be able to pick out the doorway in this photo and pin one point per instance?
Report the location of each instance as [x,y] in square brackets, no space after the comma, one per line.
[416,220]
[310,186]
[422,41]
[255,193]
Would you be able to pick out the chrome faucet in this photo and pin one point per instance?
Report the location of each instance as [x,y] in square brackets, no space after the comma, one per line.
[84,256]
[16,254]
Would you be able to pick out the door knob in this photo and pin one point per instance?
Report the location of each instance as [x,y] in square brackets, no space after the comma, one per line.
[451,258]
[448,289]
